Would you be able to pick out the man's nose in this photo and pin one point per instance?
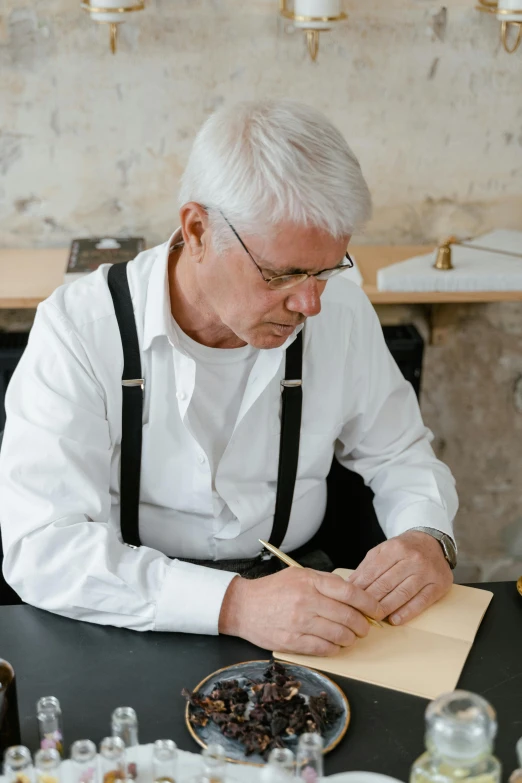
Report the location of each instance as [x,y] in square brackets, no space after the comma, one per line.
[306,297]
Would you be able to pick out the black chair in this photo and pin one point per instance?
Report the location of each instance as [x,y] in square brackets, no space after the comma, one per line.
[350,527]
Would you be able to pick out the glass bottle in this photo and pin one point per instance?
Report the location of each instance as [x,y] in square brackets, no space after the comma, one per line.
[18,765]
[124,724]
[214,764]
[460,729]
[280,766]
[9,723]
[164,761]
[84,762]
[49,715]
[112,760]
[516,775]
[47,765]
[309,758]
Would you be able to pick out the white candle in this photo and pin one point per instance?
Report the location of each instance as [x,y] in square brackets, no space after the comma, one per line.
[318,8]
[510,5]
[108,4]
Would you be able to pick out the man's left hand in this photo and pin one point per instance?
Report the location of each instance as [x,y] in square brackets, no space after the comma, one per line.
[405,574]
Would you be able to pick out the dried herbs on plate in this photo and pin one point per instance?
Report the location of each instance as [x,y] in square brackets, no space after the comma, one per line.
[262,713]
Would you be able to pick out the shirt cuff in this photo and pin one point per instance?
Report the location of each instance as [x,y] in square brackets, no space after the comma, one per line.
[191,597]
[421,514]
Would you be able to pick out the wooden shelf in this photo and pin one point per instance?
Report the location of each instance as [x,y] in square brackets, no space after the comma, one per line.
[27,277]
[371,258]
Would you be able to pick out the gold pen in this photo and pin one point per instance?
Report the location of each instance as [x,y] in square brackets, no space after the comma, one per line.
[291,562]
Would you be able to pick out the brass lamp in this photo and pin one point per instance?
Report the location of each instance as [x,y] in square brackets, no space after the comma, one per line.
[509,14]
[113,13]
[313,16]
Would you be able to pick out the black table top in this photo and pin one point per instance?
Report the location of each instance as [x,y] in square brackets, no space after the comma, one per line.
[93,669]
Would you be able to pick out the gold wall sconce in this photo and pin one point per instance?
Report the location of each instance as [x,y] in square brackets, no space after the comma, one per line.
[113,13]
[313,17]
[509,14]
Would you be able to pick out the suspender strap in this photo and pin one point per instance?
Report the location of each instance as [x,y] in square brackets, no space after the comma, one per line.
[132,416]
[292,393]
[132,406]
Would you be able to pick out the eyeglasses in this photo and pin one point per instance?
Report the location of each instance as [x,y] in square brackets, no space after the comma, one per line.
[287,281]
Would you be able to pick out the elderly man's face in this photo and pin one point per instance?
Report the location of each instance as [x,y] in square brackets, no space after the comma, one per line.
[243,301]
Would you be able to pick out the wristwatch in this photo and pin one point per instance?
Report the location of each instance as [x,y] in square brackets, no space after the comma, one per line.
[448,545]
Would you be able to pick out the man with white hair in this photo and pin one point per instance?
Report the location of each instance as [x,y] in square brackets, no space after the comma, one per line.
[239,376]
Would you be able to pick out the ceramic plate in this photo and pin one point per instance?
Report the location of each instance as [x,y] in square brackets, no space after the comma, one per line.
[313,683]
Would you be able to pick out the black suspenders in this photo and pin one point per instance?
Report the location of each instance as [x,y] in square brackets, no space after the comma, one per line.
[132,415]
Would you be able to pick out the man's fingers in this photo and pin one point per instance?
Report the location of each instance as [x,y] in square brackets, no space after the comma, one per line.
[425,598]
[335,633]
[306,644]
[404,592]
[375,564]
[390,581]
[343,615]
[336,587]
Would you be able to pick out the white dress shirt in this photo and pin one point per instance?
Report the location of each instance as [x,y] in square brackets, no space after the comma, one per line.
[60,459]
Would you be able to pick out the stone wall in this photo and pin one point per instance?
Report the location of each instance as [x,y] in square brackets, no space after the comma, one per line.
[94,144]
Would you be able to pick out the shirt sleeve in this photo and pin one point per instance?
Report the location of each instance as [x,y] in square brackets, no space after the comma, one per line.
[386,442]
[60,551]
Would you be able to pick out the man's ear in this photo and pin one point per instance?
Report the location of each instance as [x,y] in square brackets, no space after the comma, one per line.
[194,224]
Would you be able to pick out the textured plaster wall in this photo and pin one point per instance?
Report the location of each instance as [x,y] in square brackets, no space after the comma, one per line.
[94,144]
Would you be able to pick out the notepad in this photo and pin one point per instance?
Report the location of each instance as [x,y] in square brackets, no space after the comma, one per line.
[424,657]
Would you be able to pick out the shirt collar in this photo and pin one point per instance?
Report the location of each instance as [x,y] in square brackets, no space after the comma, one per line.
[158,315]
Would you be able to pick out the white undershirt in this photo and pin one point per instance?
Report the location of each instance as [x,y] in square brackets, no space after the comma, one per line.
[221,379]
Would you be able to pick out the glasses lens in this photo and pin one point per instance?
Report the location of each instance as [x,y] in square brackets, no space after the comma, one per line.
[328,273]
[286,281]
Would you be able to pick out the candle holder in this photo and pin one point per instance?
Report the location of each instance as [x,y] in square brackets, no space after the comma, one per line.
[313,16]
[113,13]
[509,14]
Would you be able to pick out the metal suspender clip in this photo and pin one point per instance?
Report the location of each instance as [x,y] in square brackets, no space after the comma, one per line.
[290,384]
[135,382]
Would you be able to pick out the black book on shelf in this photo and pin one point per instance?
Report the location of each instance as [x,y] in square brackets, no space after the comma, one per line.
[88,254]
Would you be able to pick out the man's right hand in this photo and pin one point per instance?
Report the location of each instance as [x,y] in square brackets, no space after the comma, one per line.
[297,610]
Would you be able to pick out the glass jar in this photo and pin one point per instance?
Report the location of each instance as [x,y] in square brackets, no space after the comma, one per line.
[112,760]
[214,764]
[280,766]
[309,759]
[18,765]
[50,729]
[47,763]
[124,724]
[84,762]
[460,729]
[164,761]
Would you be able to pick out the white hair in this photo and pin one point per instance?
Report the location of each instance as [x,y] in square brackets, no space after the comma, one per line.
[260,163]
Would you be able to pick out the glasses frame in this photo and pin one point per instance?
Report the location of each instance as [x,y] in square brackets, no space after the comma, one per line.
[300,277]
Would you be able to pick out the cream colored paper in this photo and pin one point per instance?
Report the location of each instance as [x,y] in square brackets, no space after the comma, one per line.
[424,657]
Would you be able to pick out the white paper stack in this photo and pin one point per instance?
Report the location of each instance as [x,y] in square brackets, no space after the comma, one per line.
[475,269]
